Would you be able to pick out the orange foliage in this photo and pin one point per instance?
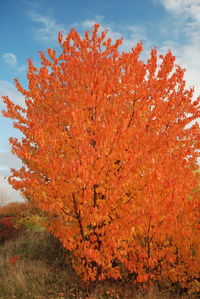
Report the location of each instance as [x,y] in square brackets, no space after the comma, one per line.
[108,153]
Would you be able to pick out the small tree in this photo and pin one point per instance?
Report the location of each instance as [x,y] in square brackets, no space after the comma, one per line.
[108,153]
[3,198]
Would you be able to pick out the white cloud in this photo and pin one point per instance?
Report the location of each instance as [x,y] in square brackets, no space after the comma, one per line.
[187,54]
[186,20]
[10,59]
[7,190]
[49,29]
[131,34]
[186,8]
[7,161]
[9,89]
[187,13]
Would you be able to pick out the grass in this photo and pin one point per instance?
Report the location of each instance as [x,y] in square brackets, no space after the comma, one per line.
[39,270]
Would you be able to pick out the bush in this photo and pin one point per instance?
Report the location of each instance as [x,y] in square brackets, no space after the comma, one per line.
[32,222]
[7,229]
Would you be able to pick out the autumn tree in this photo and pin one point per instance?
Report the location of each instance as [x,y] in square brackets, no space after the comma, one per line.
[110,151]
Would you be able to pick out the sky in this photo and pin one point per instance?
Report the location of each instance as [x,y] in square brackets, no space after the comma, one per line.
[28,26]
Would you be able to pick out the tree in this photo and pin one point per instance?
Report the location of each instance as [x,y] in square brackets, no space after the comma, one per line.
[109,154]
[3,198]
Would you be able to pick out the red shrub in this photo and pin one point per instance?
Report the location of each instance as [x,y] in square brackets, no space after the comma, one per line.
[13,260]
[7,229]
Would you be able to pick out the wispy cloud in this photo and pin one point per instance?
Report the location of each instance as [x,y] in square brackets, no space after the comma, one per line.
[187,54]
[8,160]
[186,19]
[9,89]
[186,8]
[131,34]
[186,15]
[7,190]
[11,60]
[185,23]
[49,28]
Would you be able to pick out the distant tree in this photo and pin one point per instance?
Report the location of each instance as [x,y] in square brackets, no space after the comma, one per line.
[109,154]
[3,198]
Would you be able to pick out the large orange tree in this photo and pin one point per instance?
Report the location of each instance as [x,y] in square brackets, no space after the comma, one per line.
[110,151]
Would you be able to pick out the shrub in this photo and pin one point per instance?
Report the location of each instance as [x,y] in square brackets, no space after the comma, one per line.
[7,229]
[32,222]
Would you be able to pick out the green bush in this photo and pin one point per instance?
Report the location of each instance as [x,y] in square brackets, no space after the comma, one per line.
[32,222]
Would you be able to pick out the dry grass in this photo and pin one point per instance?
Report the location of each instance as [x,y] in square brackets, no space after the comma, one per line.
[19,209]
[38,272]
[41,272]
[15,208]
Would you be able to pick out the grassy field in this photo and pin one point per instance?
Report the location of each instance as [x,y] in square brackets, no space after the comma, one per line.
[34,265]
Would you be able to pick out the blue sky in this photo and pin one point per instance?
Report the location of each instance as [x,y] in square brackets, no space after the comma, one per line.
[28,26]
